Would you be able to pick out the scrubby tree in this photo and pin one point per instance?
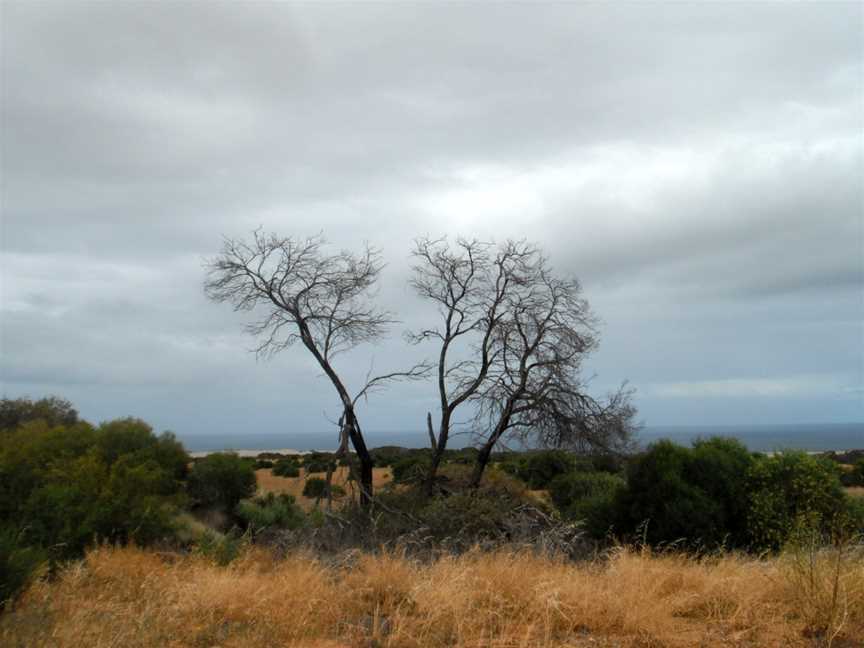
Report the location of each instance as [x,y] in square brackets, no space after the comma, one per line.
[534,386]
[511,340]
[221,479]
[52,409]
[792,488]
[305,293]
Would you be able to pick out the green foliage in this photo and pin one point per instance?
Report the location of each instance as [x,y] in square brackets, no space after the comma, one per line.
[62,487]
[19,563]
[589,497]
[695,494]
[221,479]
[286,468]
[854,477]
[540,468]
[316,488]
[263,463]
[790,487]
[270,511]
[411,469]
[318,462]
[53,410]
[388,455]
[221,549]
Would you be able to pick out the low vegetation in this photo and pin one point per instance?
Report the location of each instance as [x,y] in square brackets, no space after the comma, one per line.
[669,546]
[625,598]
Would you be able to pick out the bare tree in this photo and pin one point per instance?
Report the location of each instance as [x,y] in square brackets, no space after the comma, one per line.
[320,299]
[468,282]
[534,388]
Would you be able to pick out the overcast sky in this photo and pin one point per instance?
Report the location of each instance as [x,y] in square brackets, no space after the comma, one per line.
[698,166]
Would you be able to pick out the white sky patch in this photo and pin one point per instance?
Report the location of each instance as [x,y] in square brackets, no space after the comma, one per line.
[751,387]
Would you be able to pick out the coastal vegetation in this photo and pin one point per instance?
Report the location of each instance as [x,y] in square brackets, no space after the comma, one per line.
[671,545]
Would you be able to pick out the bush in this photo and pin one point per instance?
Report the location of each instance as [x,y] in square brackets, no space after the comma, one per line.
[315,488]
[221,479]
[270,511]
[62,487]
[787,488]
[286,468]
[566,490]
[411,469]
[261,464]
[318,462]
[695,494]
[540,468]
[19,563]
[53,410]
[590,497]
[855,476]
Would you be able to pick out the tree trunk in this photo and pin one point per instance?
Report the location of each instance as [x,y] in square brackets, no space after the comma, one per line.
[438,449]
[482,461]
[366,462]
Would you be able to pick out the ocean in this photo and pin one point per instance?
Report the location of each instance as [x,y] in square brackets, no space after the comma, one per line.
[758,438]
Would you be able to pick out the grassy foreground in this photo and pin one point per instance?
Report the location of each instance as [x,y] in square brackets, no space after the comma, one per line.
[133,597]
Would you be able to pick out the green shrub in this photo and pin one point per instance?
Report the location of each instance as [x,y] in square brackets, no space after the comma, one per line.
[318,462]
[315,488]
[261,464]
[695,494]
[854,477]
[590,497]
[286,468]
[221,479]
[566,490]
[62,487]
[53,410]
[221,549]
[411,469]
[19,563]
[787,488]
[540,468]
[270,511]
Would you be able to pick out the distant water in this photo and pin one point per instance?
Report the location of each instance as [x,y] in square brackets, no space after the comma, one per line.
[758,438]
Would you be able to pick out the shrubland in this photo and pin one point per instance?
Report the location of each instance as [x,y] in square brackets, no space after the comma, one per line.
[697,518]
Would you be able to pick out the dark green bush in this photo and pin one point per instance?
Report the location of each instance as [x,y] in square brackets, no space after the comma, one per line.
[270,511]
[316,488]
[854,477]
[787,488]
[286,468]
[566,490]
[318,462]
[221,479]
[52,410]
[411,469]
[693,494]
[590,497]
[19,563]
[540,468]
[62,487]
[261,464]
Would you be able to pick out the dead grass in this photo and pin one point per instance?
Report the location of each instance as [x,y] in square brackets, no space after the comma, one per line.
[135,598]
[855,491]
[270,483]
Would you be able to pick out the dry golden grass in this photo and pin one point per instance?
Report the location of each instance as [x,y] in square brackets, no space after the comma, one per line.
[135,598]
[855,491]
[270,483]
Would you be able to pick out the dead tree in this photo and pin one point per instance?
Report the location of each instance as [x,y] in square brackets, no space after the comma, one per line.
[533,387]
[468,282]
[307,294]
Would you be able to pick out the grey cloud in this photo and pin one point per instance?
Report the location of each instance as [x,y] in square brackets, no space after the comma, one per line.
[698,166]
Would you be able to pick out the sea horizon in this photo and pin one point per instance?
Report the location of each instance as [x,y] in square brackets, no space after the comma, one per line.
[811,437]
